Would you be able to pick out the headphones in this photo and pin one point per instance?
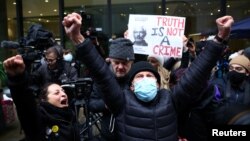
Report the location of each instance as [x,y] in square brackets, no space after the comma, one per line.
[59,52]
[57,49]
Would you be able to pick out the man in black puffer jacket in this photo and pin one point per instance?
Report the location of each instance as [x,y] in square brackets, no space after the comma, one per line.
[145,112]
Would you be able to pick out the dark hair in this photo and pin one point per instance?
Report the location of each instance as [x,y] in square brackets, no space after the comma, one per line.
[66,51]
[57,49]
[44,91]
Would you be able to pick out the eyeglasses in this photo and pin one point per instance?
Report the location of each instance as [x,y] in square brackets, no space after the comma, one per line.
[237,68]
[50,60]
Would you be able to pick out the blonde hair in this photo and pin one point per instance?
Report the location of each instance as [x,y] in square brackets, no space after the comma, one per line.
[165,76]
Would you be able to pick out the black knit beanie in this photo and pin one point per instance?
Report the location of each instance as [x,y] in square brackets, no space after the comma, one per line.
[142,66]
[121,48]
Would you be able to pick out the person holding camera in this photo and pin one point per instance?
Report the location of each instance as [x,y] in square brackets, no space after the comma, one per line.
[54,69]
[145,112]
[51,118]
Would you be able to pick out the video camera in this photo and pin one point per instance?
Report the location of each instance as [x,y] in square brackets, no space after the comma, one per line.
[82,87]
[33,45]
[29,53]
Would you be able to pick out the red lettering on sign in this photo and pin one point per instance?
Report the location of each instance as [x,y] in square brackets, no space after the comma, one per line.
[167,50]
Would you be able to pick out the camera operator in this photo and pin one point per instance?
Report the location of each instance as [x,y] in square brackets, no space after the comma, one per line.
[55,69]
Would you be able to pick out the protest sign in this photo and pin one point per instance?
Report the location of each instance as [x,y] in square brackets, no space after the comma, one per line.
[157,34]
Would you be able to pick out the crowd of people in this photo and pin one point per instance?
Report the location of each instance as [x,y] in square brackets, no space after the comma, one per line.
[138,100]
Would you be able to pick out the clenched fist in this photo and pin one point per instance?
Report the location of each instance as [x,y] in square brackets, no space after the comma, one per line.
[14,65]
[72,26]
[224,25]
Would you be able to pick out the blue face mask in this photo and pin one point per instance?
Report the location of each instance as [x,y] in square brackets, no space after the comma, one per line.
[68,57]
[145,89]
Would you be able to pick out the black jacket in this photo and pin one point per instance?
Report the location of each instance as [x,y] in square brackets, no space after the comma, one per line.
[96,104]
[223,101]
[156,120]
[65,72]
[37,120]
[220,105]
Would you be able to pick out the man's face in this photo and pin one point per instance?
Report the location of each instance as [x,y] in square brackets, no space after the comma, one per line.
[139,34]
[120,67]
[140,75]
[51,60]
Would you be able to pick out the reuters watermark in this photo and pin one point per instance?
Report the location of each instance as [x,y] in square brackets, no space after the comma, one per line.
[228,133]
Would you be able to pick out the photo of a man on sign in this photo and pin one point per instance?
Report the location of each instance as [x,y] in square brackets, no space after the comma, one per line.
[139,35]
[162,35]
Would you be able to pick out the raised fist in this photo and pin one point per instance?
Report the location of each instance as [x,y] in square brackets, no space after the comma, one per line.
[14,65]
[72,24]
[224,25]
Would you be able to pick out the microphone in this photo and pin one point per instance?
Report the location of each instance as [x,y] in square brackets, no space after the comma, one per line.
[68,86]
[10,44]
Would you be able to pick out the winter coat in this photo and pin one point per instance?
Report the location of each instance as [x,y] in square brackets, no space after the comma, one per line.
[41,122]
[64,73]
[227,100]
[220,105]
[156,120]
[96,104]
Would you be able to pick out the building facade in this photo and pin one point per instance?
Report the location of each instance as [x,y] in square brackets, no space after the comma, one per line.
[111,16]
